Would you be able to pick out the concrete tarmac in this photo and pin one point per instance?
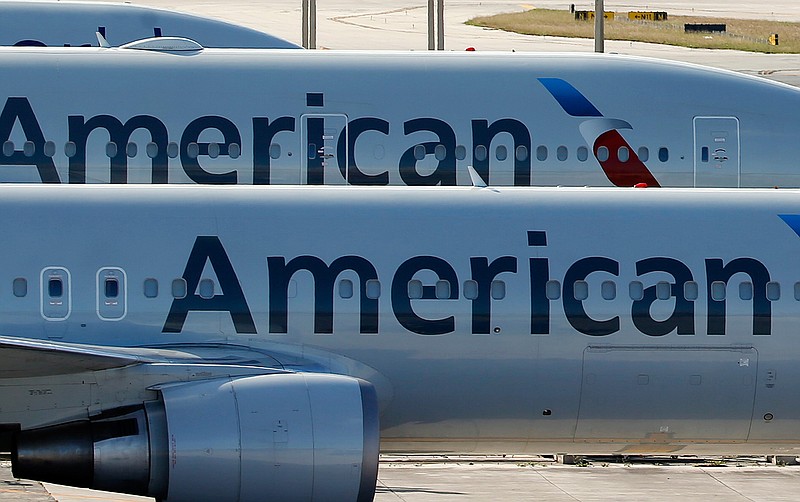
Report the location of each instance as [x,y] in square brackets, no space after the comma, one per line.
[481,479]
[401,25]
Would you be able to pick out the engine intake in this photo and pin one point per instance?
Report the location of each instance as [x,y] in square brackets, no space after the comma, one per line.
[294,436]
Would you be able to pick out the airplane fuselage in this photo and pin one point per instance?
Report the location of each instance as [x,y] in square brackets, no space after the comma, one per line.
[512,320]
[221,116]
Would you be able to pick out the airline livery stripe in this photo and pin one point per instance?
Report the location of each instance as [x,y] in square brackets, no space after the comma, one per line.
[570,99]
[793,220]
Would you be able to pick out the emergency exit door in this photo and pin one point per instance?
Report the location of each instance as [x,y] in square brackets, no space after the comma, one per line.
[716,152]
[324,140]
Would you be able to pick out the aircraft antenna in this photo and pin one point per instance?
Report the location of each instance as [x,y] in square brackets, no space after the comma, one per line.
[475,178]
[102,40]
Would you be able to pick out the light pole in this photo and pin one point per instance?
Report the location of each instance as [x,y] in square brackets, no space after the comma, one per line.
[599,18]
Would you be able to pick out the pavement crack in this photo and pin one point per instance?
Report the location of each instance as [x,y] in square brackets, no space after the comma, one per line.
[729,487]
[541,474]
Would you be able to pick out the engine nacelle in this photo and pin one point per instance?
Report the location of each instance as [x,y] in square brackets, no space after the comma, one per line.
[294,436]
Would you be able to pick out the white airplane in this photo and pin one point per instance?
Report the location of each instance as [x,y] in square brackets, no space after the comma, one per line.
[243,343]
[74,24]
[175,112]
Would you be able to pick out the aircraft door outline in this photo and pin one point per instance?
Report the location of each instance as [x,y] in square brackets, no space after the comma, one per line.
[320,136]
[55,299]
[717,152]
[713,386]
[112,294]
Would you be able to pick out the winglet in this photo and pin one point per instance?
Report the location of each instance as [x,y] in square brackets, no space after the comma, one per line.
[475,178]
[102,40]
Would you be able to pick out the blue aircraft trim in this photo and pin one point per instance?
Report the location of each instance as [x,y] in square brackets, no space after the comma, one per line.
[793,220]
[570,99]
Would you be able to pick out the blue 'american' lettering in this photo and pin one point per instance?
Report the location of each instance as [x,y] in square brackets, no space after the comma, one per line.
[18,110]
[209,249]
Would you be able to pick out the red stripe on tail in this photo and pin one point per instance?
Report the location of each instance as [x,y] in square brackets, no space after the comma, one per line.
[622,174]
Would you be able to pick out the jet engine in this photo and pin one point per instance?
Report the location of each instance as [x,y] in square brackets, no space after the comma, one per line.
[287,436]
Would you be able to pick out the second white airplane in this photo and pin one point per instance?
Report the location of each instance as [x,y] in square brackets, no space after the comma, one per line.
[244,343]
[170,111]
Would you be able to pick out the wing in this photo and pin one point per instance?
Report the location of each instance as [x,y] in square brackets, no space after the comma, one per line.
[22,358]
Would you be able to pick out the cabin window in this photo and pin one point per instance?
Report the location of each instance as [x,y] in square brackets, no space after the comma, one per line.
[541,153]
[111,287]
[644,154]
[552,290]
[718,291]
[49,148]
[179,288]
[746,290]
[234,150]
[373,289]
[415,289]
[690,290]
[501,152]
[213,150]
[443,290]
[70,149]
[206,288]
[193,150]
[602,153]
[131,149]
[28,148]
[111,149]
[797,291]
[8,148]
[636,290]
[440,152]
[623,154]
[498,290]
[582,153]
[773,291]
[470,289]
[663,154]
[419,152]
[562,153]
[150,288]
[151,150]
[608,290]
[291,291]
[521,153]
[581,290]
[20,287]
[172,149]
[346,288]
[461,152]
[663,290]
[55,287]
[274,151]
[480,153]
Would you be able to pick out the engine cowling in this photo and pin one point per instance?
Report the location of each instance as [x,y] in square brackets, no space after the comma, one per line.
[295,436]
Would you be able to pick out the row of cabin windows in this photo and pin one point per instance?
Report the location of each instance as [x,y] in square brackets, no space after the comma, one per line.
[623,153]
[234,150]
[206,288]
[608,290]
[442,289]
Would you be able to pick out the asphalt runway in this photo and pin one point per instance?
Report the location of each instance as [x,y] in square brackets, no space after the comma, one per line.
[401,25]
